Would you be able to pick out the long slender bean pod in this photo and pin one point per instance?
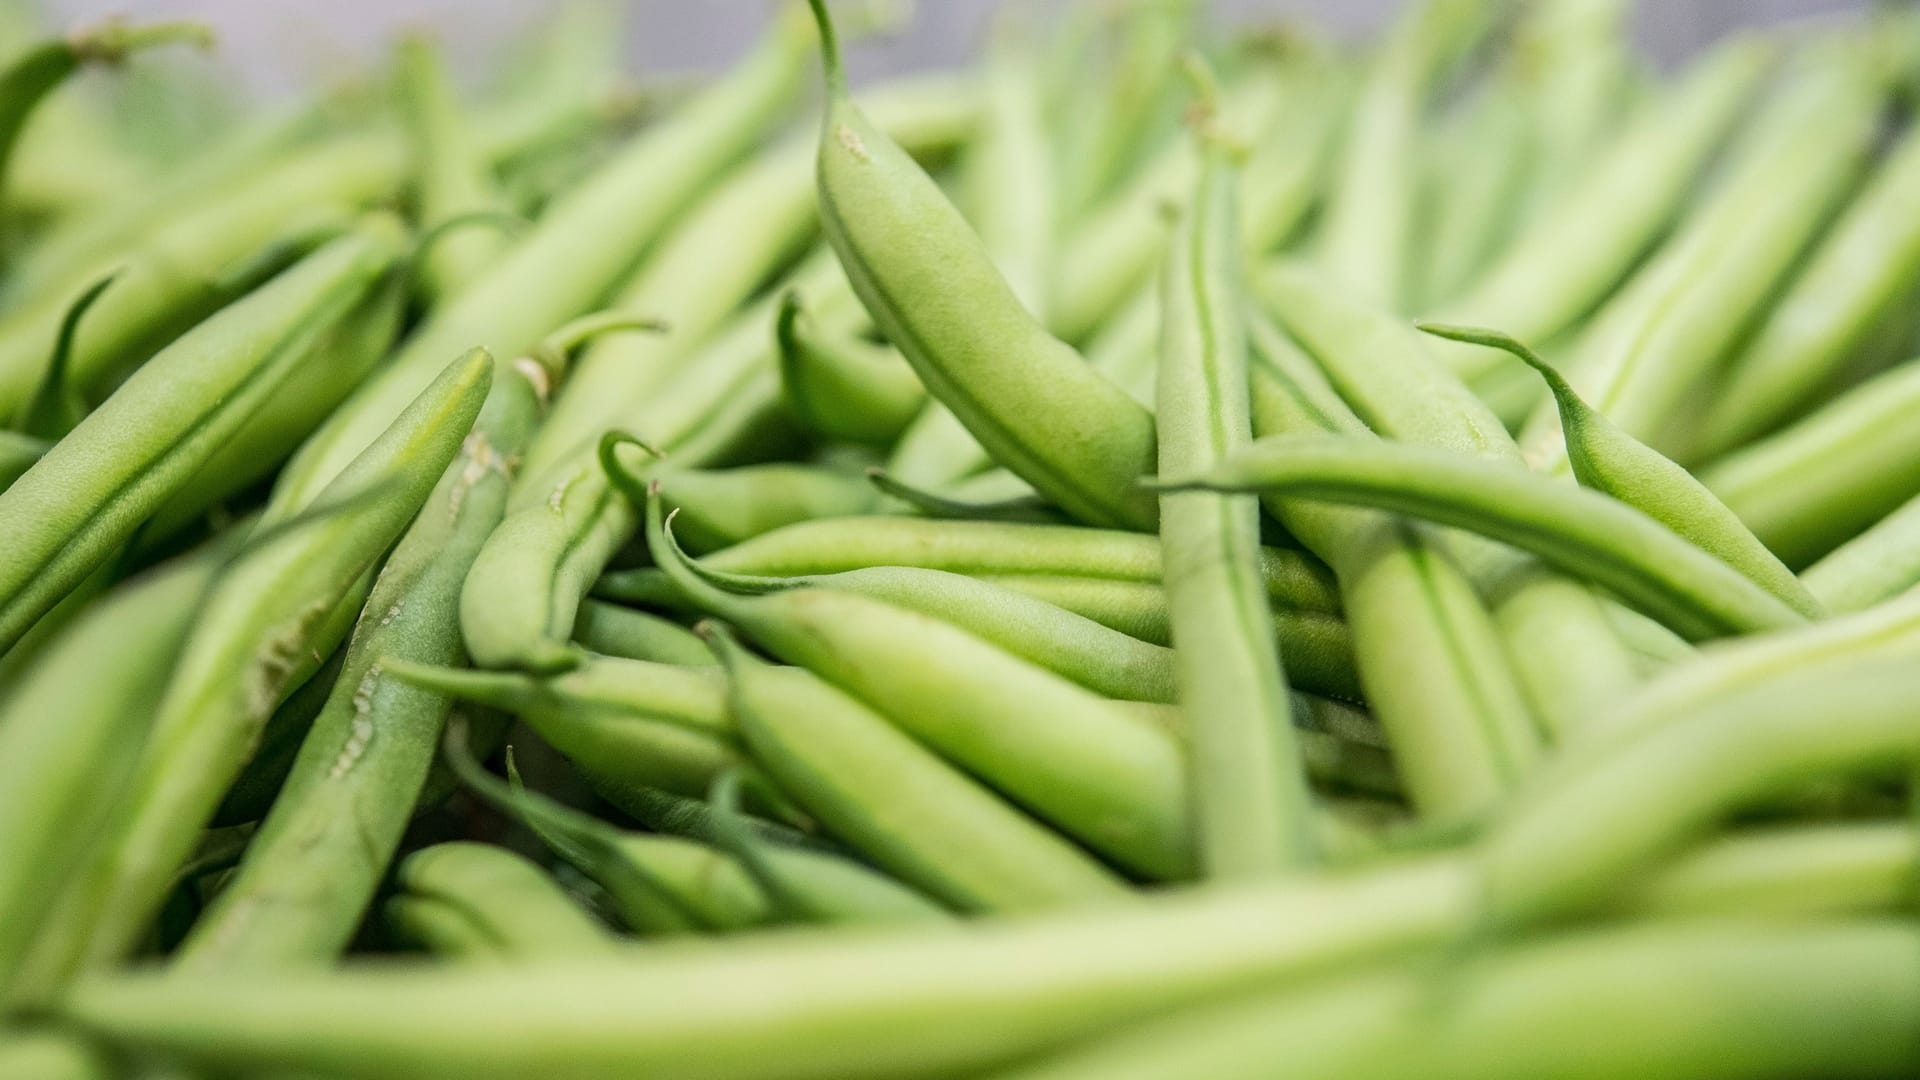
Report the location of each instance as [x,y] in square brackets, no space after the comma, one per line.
[502,903]
[1875,566]
[843,388]
[89,493]
[1251,805]
[1030,399]
[452,175]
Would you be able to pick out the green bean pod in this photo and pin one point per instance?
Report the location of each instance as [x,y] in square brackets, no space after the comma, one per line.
[1615,463]
[1877,565]
[90,492]
[1251,804]
[70,729]
[1814,484]
[625,724]
[1611,216]
[1659,1002]
[1866,264]
[41,69]
[898,803]
[576,254]
[1426,649]
[1574,842]
[1671,327]
[1366,241]
[1294,579]
[1030,399]
[452,176]
[1589,536]
[359,773]
[1022,987]
[843,388]
[467,901]
[252,639]
[623,632]
[723,507]
[1071,757]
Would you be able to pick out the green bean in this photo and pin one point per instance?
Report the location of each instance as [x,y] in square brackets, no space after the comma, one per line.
[1476,165]
[189,267]
[34,74]
[1426,650]
[1575,840]
[336,362]
[1110,253]
[1100,775]
[477,901]
[1024,504]
[1586,535]
[822,1005]
[1030,399]
[1612,215]
[842,387]
[88,494]
[1671,326]
[625,724]
[1615,463]
[1384,368]
[1294,579]
[360,771]
[451,171]
[669,884]
[518,607]
[574,256]
[253,792]
[727,506]
[1867,262]
[1131,107]
[898,803]
[71,729]
[718,258]
[56,406]
[1367,237]
[1814,484]
[635,635]
[1665,1003]
[252,640]
[1010,184]
[1575,58]
[1786,872]
[1251,807]
[1877,565]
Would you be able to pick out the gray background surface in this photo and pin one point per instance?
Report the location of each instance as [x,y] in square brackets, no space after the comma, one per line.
[280,45]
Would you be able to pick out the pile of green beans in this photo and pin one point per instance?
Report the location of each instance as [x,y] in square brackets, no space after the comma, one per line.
[1177,550]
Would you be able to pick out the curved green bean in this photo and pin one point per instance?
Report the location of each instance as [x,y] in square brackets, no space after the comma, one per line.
[635,635]
[1582,533]
[843,388]
[472,901]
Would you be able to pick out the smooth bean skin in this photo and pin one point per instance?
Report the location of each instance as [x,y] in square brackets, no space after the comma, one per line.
[1816,483]
[1664,1002]
[919,270]
[71,727]
[1112,781]
[900,804]
[1875,566]
[1583,534]
[575,255]
[842,387]
[494,905]
[1251,804]
[1570,844]
[614,630]
[1670,327]
[254,635]
[824,1006]
[1295,580]
[722,507]
[452,174]
[1612,462]
[1425,648]
[623,723]
[89,492]
[1612,215]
